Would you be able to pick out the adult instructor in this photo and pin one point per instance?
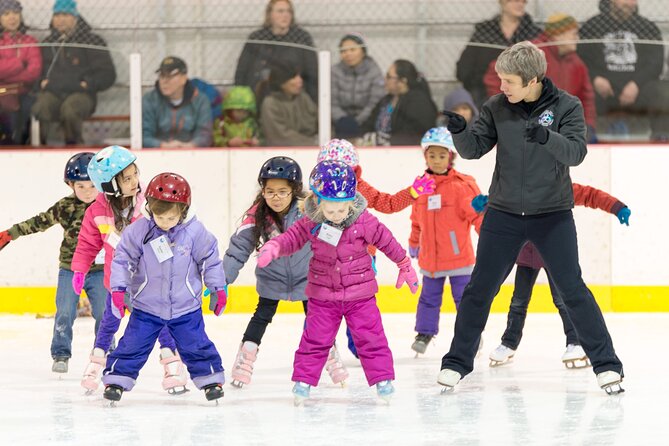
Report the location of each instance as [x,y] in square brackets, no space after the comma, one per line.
[540,132]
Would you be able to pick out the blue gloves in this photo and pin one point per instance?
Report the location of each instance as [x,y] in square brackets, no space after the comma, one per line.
[624,216]
[479,203]
[413,251]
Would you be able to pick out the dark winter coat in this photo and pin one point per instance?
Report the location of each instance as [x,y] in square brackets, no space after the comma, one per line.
[356,90]
[529,178]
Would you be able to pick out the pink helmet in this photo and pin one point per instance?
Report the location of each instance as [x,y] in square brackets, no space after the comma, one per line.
[339,150]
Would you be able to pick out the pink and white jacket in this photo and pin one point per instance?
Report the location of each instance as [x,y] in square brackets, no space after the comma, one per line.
[96,228]
[344,272]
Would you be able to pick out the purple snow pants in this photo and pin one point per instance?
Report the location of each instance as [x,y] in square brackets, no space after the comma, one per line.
[363,319]
[429,302]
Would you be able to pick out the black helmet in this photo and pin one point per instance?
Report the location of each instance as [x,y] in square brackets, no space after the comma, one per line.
[76,168]
[280,167]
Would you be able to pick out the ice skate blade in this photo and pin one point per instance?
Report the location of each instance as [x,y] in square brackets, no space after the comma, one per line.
[180,390]
[237,384]
[613,389]
[580,363]
[494,363]
[89,392]
[112,404]
[299,401]
[447,389]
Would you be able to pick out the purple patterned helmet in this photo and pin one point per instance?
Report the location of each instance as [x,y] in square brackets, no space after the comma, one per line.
[341,150]
[333,181]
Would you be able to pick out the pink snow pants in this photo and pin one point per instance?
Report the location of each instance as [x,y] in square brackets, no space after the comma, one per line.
[323,320]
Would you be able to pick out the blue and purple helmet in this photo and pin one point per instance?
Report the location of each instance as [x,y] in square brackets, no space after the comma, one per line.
[76,168]
[333,181]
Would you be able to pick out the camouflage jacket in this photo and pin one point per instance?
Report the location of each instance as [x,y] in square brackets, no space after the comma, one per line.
[68,212]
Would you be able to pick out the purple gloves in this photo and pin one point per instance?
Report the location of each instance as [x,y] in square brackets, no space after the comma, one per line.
[413,251]
[78,282]
[118,303]
[407,275]
[422,185]
[267,253]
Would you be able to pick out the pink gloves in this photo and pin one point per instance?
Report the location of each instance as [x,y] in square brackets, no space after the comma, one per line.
[407,275]
[268,252]
[78,282]
[221,302]
[422,186]
[118,303]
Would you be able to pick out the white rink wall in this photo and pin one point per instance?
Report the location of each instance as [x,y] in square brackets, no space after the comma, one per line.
[224,184]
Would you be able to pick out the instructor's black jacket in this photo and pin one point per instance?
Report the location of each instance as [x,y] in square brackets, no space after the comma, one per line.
[529,178]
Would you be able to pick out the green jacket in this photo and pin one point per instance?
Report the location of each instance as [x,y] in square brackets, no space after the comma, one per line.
[225,129]
[68,212]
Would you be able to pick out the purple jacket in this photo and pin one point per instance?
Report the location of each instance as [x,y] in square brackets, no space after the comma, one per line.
[172,288]
[343,272]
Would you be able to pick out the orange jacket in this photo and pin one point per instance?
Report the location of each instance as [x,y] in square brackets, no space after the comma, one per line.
[444,234]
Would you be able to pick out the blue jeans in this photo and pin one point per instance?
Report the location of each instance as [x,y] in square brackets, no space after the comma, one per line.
[66,309]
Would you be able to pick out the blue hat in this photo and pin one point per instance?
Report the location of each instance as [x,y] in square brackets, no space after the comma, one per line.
[65,7]
[10,5]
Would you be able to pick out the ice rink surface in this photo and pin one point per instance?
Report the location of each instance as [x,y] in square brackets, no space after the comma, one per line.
[533,400]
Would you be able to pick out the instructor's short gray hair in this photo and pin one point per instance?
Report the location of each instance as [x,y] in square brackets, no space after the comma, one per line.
[523,59]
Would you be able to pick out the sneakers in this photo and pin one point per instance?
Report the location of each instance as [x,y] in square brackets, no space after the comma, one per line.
[213,391]
[91,380]
[385,389]
[59,365]
[175,378]
[449,379]
[242,370]
[336,369]
[501,355]
[301,391]
[113,393]
[575,358]
[421,342]
[610,382]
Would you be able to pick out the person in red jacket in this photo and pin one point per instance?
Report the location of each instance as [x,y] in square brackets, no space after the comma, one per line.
[529,263]
[565,67]
[20,65]
[440,233]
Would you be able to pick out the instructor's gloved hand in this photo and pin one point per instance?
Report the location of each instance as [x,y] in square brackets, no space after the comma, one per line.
[536,132]
[267,253]
[456,123]
[4,238]
[407,275]
[118,303]
[624,216]
[78,282]
[479,203]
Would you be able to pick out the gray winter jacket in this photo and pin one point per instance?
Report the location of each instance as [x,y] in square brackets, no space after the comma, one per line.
[356,90]
[283,279]
[529,178]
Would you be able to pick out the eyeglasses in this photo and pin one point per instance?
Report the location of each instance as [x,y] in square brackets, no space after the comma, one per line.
[282,194]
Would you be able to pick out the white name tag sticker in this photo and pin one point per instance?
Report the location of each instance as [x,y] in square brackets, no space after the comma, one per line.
[329,234]
[113,239]
[161,248]
[100,258]
[433,202]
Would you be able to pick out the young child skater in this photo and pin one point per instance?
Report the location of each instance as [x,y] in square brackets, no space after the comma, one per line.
[441,233]
[275,209]
[115,175]
[341,281]
[68,212]
[160,264]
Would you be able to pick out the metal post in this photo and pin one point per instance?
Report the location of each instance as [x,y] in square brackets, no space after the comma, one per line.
[135,101]
[324,100]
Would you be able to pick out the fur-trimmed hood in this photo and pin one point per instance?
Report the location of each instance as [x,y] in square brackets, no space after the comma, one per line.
[311,210]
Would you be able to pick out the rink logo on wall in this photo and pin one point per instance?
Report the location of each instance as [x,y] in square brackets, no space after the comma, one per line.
[547,118]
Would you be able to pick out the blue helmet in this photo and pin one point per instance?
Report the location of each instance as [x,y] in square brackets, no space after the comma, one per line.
[282,168]
[438,136]
[106,164]
[76,168]
[333,180]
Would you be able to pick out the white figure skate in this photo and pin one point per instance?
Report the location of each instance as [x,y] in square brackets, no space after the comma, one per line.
[610,382]
[59,365]
[501,355]
[336,369]
[449,379]
[301,391]
[175,377]
[575,358]
[91,379]
[242,370]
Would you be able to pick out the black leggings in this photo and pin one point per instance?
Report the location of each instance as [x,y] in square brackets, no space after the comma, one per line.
[262,317]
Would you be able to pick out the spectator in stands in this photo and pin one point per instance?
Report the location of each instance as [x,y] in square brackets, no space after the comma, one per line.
[256,60]
[406,112]
[288,116]
[511,26]
[565,68]
[20,66]
[175,114]
[357,86]
[462,103]
[72,75]
[625,73]
[237,127]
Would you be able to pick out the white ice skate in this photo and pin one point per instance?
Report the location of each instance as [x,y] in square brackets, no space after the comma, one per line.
[242,370]
[301,391]
[336,369]
[610,382]
[575,358]
[501,355]
[91,379]
[59,365]
[449,379]
[175,377]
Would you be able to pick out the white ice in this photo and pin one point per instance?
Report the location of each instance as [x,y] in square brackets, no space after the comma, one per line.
[533,400]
